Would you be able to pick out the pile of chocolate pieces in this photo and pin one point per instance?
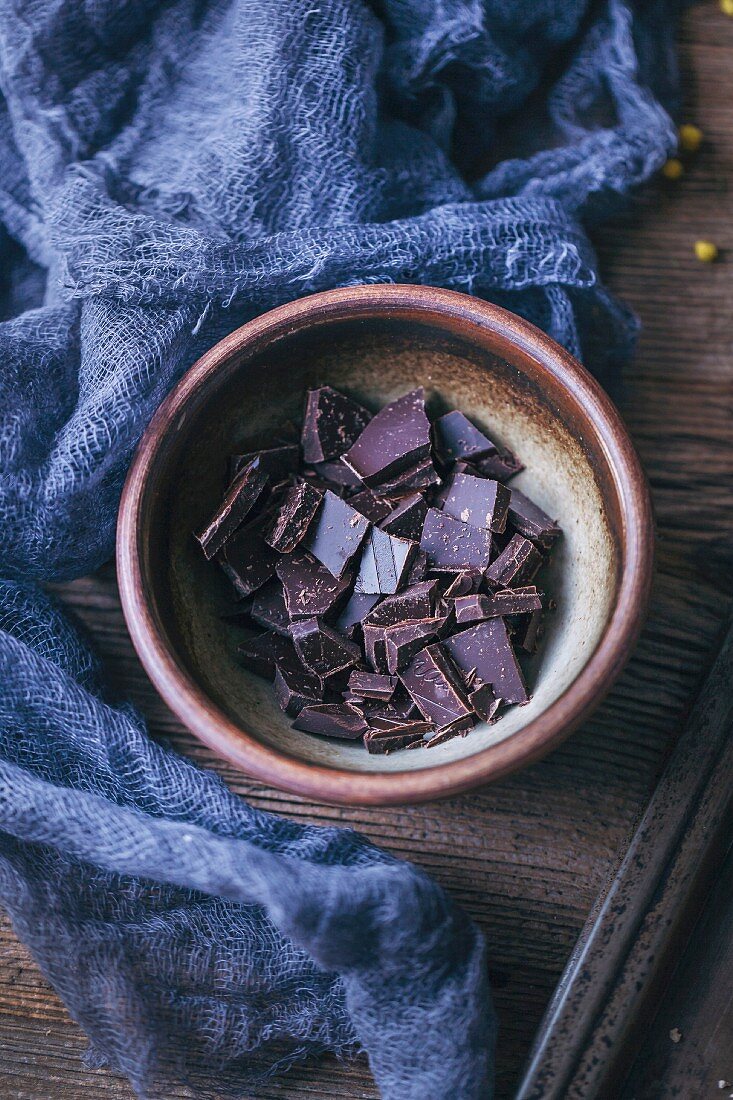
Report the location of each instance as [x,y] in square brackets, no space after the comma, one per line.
[390,567]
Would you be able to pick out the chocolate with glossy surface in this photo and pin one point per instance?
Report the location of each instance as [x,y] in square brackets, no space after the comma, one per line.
[396,439]
[240,498]
[452,545]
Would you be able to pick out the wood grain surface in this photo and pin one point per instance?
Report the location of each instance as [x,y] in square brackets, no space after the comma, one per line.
[527,857]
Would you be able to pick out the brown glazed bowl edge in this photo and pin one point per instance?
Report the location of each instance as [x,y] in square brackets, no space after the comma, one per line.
[548,729]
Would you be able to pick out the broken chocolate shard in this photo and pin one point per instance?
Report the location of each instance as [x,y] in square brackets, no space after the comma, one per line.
[332,720]
[386,722]
[336,534]
[457,728]
[384,562]
[421,476]
[269,608]
[479,501]
[241,497]
[294,516]
[500,466]
[435,686]
[487,648]
[332,422]
[419,568]
[453,545]
[403,641]
[322,649]
[260,653]
[310,589]
[394,440]
[375,649]
[471,608]
[511,601]
[382,743]
[296,688]
[519,561]
[463,584]
[247,559]
[416,602]
[372,685]
[277,462]
[529,520]
[356,610]
[373,507]
[457,438]
[484,702]
[406,519]
[336,473]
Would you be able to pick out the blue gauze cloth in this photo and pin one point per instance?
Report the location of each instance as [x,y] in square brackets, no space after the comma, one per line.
[167,171]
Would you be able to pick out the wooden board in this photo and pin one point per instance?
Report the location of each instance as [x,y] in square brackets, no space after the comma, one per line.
[528,856]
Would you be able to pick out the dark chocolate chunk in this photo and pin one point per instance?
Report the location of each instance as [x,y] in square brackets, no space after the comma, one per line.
[519,561]
[479,501]
[247,559]
[375,648]
[332,422]
[457,438]
[294,516]
[259,654]
[371,685]
[278,462]
[296,688]
[511,601]
[356,610]
[470,609]
[269,608]
[384,562]
[500,466]
[321,648]
[402,642]
[453,545]
[457,728]
[382,743]
[463,584]
[406,520]
[529,519]
[332,720]
[416,602]
[435,686]
[419,568]
[396,439]
[241,497]
[487,648]
[337,473]
[484,702]
[403,704]
[386,722]
[373,507]
[310,589]
[336,533]
[420,476]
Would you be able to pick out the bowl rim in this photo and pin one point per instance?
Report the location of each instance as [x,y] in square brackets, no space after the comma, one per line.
[338,785]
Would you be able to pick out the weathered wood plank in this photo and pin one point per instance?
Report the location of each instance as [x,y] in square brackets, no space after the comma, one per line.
[527,856]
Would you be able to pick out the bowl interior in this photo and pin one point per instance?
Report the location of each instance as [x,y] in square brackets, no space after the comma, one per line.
[375,359]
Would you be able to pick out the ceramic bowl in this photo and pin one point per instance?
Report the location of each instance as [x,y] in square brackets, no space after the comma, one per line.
[375,343]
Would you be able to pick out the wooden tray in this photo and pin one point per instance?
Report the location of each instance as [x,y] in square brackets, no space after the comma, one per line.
[594,1035]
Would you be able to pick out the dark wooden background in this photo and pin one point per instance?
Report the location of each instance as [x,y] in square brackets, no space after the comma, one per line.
[528,856]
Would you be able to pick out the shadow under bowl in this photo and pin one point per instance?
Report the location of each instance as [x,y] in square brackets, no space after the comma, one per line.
[375,343]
